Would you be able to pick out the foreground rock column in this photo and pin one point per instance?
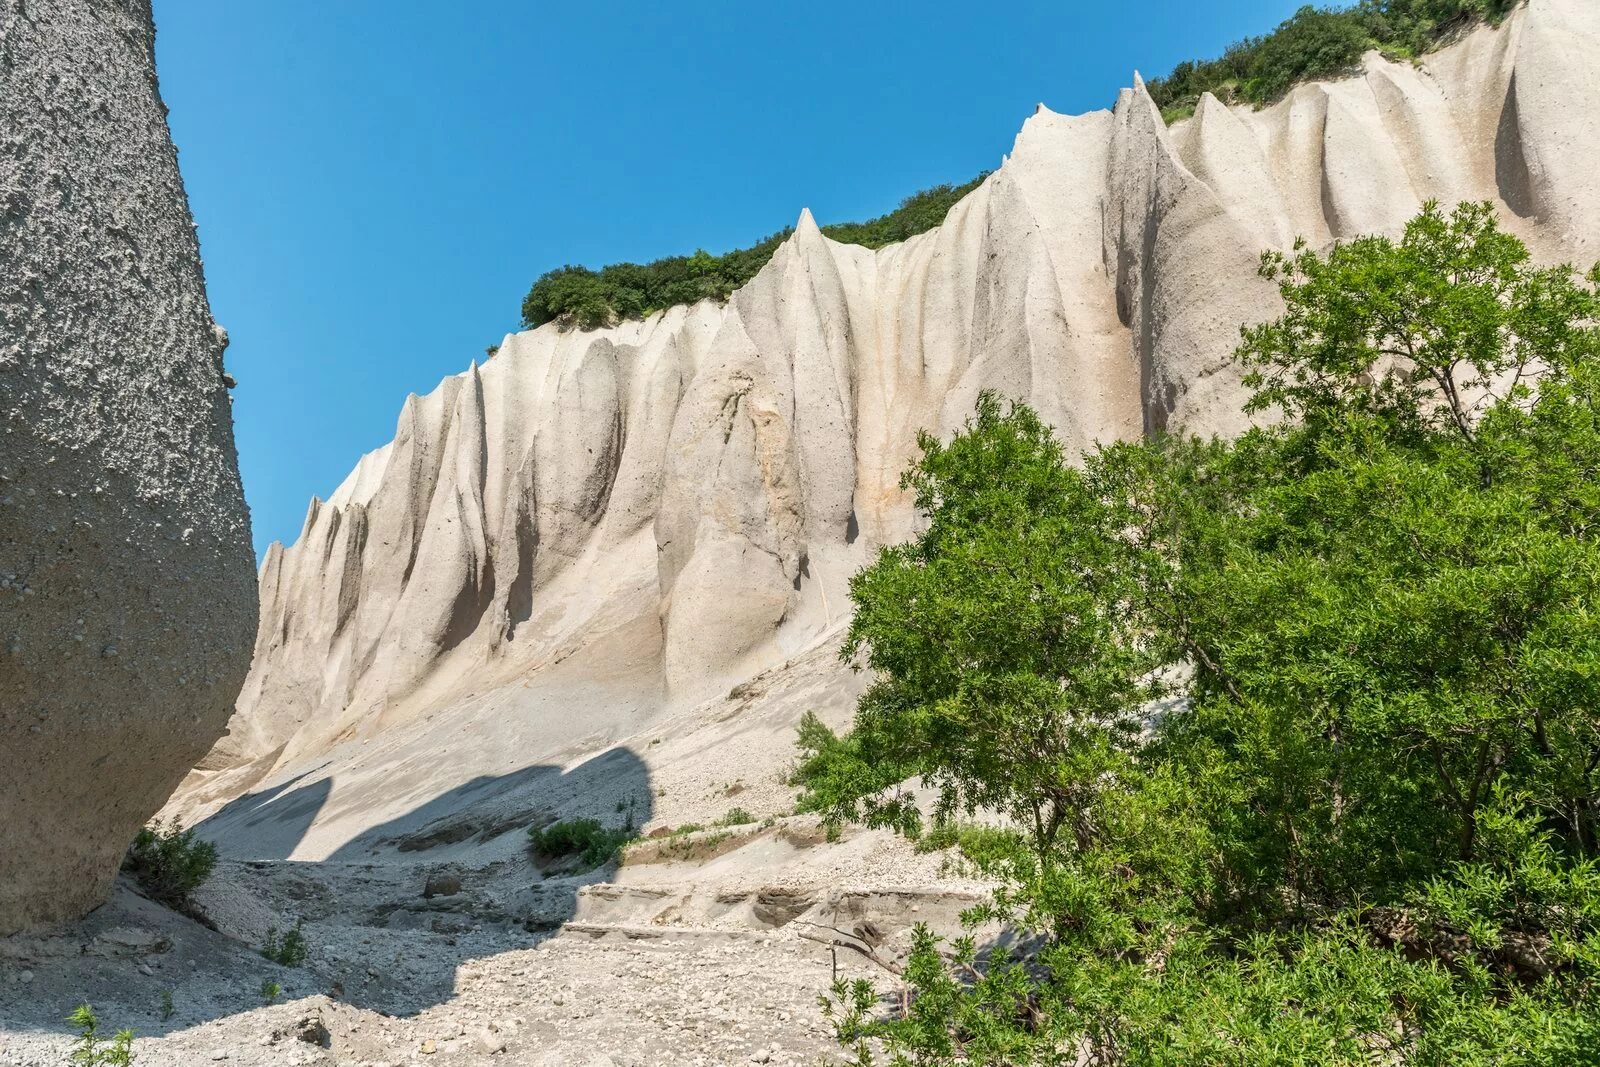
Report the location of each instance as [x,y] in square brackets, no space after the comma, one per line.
[127,585]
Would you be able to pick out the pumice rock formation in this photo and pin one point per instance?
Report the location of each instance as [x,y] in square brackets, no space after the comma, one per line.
[597,529]
[127,592]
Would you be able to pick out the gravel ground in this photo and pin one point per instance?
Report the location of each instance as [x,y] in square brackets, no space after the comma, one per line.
[694,960]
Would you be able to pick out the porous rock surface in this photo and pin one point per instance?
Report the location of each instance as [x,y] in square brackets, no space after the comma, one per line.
[597,529]
[127,592]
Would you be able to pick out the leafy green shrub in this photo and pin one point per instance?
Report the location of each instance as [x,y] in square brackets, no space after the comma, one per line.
[1318,43]
[290,950]
[593,843]
[92,1050]
[1369,830]
[270,991]
[590,299]
[169,862]
[736,817]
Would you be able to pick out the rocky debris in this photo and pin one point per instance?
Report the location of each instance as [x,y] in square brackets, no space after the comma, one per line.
[127,599]
[313,1031]
[127,941]
[667,972]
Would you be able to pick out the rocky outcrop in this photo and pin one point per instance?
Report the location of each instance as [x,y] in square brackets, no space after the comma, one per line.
[127,598]
[674,505]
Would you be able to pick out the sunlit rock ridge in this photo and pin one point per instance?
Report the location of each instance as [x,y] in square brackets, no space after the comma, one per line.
[594,528]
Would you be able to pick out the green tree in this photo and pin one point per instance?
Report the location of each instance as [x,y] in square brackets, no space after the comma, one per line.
[1388,565]
[1362,821]
[1005,674]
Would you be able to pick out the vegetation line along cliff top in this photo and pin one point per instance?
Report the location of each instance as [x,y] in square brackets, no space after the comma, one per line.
[1313,43]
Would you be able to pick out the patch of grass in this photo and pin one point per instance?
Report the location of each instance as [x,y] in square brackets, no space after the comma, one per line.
[736,817]
[167,1007]
[679,846]
[591,842]
[270,991]
[170,863]
[92,1050]
[289,951]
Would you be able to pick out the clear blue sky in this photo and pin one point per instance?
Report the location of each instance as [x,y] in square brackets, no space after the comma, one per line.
[377,182]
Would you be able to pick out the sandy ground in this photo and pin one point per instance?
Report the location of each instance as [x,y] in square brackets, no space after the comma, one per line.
[700,948]
[668,960]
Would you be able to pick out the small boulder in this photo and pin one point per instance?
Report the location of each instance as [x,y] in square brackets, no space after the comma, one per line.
[441,884]
[313,1031]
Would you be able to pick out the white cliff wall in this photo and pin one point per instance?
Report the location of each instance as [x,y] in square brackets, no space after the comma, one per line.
[705,481]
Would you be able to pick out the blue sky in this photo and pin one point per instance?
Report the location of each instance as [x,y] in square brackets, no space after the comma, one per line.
[377,182]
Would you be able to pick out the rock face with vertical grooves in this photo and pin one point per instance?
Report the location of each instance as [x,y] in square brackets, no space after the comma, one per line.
[127,593]
[595,528]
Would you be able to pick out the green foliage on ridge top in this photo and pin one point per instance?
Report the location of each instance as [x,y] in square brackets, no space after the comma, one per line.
[1291,740]
[590,299]
[1313,43]
[1317,43]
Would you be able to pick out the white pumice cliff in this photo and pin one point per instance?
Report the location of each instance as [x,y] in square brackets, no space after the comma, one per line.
[595,530]
[127,598]
[604,575]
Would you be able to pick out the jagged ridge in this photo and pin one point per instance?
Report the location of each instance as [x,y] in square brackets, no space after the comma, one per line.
[612,523]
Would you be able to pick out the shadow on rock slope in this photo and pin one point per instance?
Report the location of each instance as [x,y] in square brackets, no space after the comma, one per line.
[277,817]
